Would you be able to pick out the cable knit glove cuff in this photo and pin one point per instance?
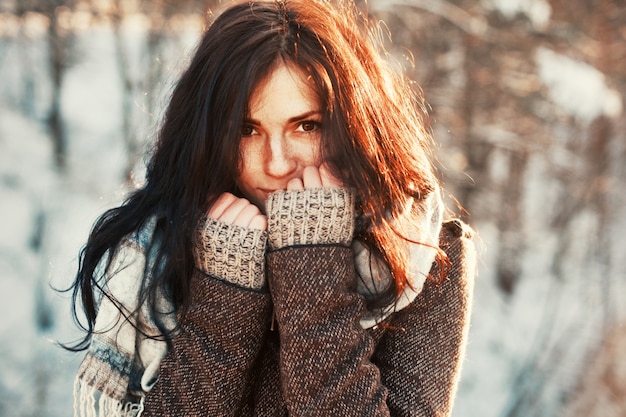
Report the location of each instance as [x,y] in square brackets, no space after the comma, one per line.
[233,253]
[310,216]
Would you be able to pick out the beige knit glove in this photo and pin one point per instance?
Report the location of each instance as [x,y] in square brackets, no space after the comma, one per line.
[311,216]
[233,253]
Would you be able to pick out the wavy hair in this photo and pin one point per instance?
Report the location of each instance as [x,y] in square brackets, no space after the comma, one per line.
[374,123]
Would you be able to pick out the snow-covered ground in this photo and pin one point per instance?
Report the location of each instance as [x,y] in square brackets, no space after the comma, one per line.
[45,216]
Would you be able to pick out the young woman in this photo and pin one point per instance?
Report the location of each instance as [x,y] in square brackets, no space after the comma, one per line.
[275,263]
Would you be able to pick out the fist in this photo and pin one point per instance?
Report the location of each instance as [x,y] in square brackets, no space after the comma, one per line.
[314,177]
[238,211]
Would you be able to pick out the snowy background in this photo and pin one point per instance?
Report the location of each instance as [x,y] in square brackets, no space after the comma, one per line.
[527,103]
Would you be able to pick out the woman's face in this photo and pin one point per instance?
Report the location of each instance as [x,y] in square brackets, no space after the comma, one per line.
[281,135]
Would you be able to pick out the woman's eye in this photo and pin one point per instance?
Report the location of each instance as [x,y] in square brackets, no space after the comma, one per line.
[247,130]
[309,126]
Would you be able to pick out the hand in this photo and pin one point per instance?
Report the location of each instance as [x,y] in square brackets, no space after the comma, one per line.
[238,211]
[314,177]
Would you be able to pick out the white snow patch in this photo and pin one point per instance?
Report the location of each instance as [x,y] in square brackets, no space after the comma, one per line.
[578,88]
[537,11]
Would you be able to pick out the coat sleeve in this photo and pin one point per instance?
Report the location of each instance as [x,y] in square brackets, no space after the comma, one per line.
[325,366]
[208,365]
[421,353]
[329,364]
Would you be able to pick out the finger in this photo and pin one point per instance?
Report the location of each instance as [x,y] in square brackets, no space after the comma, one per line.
[311,177]
[246,215]
[327,177]
[221,204]
[295,184]
[258,222]
[232,211]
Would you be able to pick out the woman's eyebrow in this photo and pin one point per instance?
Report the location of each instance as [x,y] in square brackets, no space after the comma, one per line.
[305,115]
[300,117]
[250,121]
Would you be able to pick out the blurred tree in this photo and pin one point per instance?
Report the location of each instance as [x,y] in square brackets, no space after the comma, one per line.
[140,75]
[59,50]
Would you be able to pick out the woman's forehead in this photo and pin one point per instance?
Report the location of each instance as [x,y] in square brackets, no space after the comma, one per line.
[285,82]
[286,87]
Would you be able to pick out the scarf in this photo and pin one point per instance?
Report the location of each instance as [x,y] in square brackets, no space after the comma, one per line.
[122,362]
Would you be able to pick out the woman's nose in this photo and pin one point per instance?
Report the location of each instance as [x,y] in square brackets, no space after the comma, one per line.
[279,158]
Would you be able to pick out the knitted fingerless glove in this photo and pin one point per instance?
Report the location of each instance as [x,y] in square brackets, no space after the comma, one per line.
[233,253]
[311,216]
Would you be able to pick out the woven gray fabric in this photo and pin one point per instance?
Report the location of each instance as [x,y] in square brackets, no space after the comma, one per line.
[233,253]
[432,332]
[206,370]
[310,216]
[324,356]
[227,361]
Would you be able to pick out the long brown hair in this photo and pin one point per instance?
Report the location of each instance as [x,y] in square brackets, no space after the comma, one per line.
[374,136]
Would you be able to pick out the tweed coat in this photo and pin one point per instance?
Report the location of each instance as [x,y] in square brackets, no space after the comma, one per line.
[292,344]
